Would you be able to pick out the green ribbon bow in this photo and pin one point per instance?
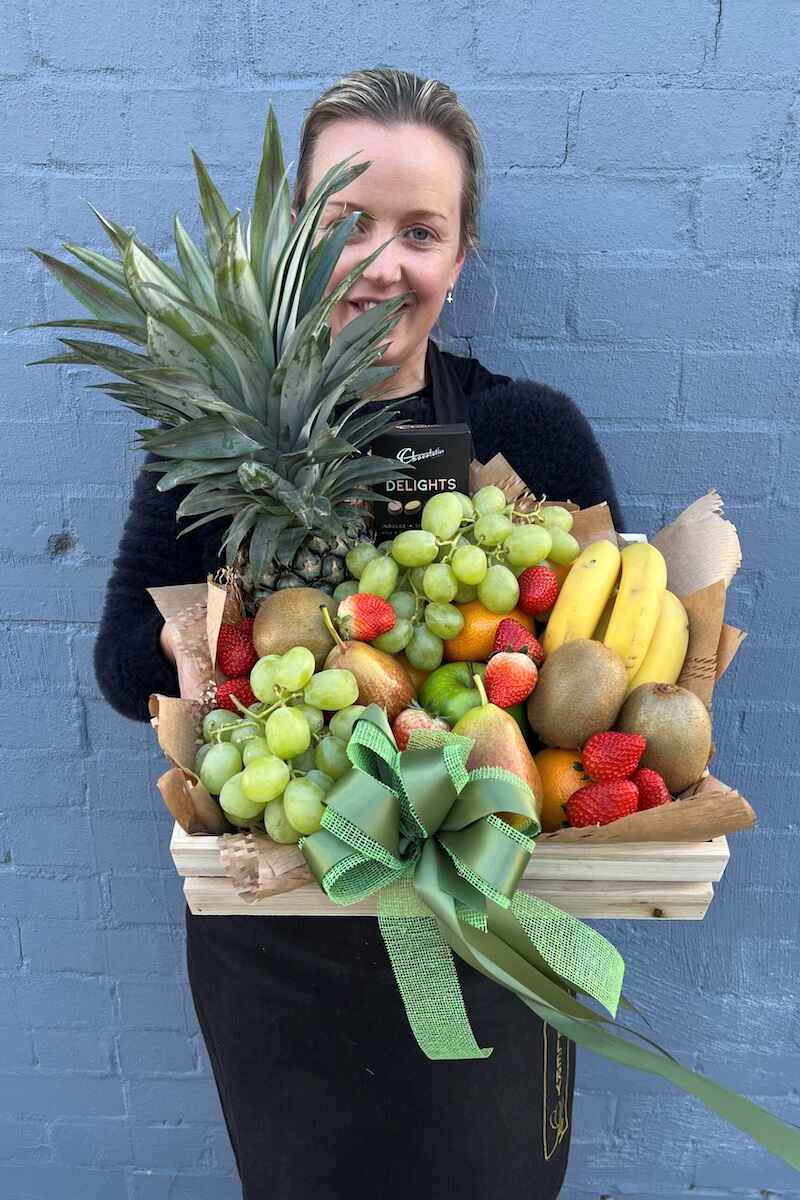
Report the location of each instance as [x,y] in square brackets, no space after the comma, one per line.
[421,831]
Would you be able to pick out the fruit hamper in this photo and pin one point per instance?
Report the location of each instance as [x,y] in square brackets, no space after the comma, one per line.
[659,863]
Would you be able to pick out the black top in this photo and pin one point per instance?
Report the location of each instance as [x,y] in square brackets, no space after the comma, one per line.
[541,432]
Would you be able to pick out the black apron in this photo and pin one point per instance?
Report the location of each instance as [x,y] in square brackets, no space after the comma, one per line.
[325,1093]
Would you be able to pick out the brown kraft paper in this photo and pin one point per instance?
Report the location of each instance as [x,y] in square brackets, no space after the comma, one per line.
[259,867]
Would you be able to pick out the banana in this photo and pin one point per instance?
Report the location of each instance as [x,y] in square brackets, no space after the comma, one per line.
[642,584]
[667,650]
[605,617]
[583,595]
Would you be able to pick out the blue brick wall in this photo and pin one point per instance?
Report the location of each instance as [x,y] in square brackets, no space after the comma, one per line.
[640,251]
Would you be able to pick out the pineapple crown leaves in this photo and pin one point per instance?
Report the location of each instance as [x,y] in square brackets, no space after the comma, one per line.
[257,408]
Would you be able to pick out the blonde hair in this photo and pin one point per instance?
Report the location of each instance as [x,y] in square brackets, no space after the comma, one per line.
[390,97]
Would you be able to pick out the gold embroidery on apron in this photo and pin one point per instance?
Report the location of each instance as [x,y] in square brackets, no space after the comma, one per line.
[555,1117]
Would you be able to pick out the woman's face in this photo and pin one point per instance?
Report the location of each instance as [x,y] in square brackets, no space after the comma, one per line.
[412,192]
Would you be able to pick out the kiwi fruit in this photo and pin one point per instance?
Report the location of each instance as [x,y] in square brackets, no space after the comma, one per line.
[292,617]
[677,727]
[579,692]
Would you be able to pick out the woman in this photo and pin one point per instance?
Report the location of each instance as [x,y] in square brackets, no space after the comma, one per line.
[323,1089]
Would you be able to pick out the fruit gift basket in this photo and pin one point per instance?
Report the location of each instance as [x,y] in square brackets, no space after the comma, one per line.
[481,727]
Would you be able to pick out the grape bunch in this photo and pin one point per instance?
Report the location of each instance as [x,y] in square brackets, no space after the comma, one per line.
[465,549]
[275,762]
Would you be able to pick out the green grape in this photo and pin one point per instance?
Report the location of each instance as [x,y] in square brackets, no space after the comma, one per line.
[234,802]
[278,825]
[198,758]
[265,778]
[256,748]
[245,822]
[425,649]
[242,733]
[262,677]
[379,577]
[414,548]
[332,689]
[565,548]
[314,716]
[343,590]
[418,577]
[218,721]
[440,584]
[342,722]
[305,761]
[323,781]
[442,515]
[287,732]
[556,517]
[469,564]
[404,604]
[467,507]
[396,639]
[465,593]
[295,668]
[444,620]
[221,762]
[385,547]
[302,804]
[492,529]
[527,545]
[489,499]
[499,591]
[331,757]
[357,558]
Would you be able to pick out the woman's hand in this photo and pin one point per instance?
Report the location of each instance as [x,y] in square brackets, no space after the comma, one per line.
[193,674]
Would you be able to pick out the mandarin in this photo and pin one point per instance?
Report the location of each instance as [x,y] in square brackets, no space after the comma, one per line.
[476,640]
[561,773]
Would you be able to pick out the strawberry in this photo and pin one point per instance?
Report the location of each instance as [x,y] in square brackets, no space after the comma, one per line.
[413,718]
[538,590]
[612,755]
[511,635]
[601,803]
[652,788]
[236,654]
[509,678]
[363,617]
[240,688]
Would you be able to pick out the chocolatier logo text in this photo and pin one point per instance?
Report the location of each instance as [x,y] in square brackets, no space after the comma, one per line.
[407,455]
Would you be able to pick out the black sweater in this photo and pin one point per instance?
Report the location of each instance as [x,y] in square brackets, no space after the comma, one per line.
[540,431]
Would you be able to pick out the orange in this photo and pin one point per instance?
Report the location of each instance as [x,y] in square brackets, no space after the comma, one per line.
[476,640]
[562,774]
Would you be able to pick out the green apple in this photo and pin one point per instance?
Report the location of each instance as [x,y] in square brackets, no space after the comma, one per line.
[450,691]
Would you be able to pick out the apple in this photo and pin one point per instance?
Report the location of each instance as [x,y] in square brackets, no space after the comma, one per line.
[450,691]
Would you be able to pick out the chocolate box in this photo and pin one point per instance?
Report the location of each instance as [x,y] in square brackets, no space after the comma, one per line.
[437,458]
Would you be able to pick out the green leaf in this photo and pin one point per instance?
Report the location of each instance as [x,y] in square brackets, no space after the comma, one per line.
[106,303]
[133,333]
[288,544]
[271,218]
[99,263]
[206,496]
[118,236]
[238,293]
[212,209]
[207,437]
[263,541]
[102,354]
[240,526]
[168,349]
[187,471]
[197,273]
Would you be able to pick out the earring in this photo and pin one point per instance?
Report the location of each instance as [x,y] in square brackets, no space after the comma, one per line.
[450,296]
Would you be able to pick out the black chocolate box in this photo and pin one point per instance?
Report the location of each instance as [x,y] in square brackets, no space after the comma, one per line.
[437,459]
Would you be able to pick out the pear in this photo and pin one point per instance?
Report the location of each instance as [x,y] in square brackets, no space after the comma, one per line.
[291,617]
[499,742]
[381,678]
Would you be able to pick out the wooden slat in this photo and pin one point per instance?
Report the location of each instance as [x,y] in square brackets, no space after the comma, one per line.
[214,896]
[672,862]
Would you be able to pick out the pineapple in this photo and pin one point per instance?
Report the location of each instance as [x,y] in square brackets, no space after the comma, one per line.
[256,408]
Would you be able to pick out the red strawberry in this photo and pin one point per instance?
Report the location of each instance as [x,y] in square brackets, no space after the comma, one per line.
[511,635]
[509,678]
[601,803]
[240,688]
[363,617]
[652,788]
[538,590]
[612,755]
[413,718]
[236,654]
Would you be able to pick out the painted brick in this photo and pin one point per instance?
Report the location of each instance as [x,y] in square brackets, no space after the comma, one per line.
[159,1147]
[666,302]
[27,522]
[38,837]
[107,730]
[58,779]
[26,895]
[571,39]
[96,523]
[55,123]
[57,714]
[143,951]
[656,463]
[73,1050]
[539,307]
[603,380]
[120,780]
[748,216]
[59,946]
[723,1162]
[100,1143]
[153,1004]
[540,111]
[755,384]
[64,1002]
[758,37]
[675,127]
[65,448]
[24,1141]
[149,1052]
[45,1095]
[10,955]
[15,54]
[16,1053]
[121,841]
[46,1182]
[147,897]
[183,1185]
[182,1099]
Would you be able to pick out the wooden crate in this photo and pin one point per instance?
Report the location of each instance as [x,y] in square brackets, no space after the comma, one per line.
[656,880]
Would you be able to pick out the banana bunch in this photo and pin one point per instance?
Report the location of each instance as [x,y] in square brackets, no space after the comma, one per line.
[621,600]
